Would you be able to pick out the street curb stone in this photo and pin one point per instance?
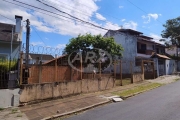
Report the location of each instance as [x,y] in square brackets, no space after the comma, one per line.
[77,110]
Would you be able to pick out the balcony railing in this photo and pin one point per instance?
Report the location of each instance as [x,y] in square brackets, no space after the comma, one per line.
[147,52]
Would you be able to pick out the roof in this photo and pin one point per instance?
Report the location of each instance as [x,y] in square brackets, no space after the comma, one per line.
[6,32]
[146,37]
[52,60]
[35,56]
[160,56]
[151,41]
[130,31]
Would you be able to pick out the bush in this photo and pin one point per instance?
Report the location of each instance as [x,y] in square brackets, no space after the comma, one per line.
[6,65]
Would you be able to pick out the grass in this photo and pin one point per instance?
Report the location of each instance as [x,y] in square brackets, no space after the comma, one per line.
[1,109]
[138,89]
[176,79]
[14,111]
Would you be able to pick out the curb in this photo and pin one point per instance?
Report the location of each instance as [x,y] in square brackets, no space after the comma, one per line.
[77,110]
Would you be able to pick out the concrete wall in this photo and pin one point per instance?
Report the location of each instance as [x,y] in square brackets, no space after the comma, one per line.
[9,97]
[34,92]
[137,77]
[170,67]
[129,43]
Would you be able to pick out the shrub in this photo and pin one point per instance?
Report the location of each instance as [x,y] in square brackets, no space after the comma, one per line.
[6,65]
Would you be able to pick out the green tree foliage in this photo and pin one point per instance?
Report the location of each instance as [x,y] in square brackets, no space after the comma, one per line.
[95,43]
[86,42]
[172,32]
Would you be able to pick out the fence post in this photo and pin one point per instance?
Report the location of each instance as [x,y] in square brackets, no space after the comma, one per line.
[142,69]
[131,72]
[115,69]
[100,69]
[21,67]
[120,73]
[153,70]
[40,72]
[55,67]
[81,67]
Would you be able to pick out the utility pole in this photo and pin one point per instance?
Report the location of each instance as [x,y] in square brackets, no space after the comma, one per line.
[27,42]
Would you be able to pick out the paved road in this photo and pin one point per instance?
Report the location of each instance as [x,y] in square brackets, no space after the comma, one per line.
[159,104]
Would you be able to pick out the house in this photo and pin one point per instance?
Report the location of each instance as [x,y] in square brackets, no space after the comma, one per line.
[139,47]
[36,58]
[10,41]
[172,50]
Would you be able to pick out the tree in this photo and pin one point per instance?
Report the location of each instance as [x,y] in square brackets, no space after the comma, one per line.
[88,42]
[172,32]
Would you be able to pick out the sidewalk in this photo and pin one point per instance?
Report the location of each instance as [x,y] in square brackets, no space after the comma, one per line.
[61,107]
[70,105]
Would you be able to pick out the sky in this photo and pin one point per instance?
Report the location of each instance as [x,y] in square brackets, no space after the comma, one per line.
[55,30]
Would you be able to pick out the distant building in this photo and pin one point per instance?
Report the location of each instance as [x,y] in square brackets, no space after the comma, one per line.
[172,50]
[36,58]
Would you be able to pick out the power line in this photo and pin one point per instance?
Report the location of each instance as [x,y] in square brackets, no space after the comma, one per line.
[32,28]
[7,17]
[118,19]
[71,15]
[141,9]
[38,35]
[61,15]
[54,16]
[92,8]
[58,9]
[79,11]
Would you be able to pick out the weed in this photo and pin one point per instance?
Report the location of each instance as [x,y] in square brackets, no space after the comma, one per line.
[19,115]
[1,109]
[14,111]
[138,89]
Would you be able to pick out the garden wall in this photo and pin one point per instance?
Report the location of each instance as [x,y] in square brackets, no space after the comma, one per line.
[34,92]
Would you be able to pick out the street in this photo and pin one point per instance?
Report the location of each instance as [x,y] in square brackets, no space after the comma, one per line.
[162,103]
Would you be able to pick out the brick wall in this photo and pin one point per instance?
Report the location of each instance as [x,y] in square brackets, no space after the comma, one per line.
[45,74]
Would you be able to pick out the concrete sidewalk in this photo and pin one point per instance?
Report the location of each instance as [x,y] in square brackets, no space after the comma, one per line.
[61,107]
[70,105]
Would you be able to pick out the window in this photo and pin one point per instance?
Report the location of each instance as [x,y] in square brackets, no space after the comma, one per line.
[143,46]
[157,50]
[153,47]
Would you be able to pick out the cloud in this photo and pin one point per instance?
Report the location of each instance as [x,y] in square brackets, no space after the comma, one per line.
[156,38]
[123,20]
[100,17]
[150,16]
[36,43]
[111,26]
[56,24]
[121,7]
[61,46]
[130,25]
